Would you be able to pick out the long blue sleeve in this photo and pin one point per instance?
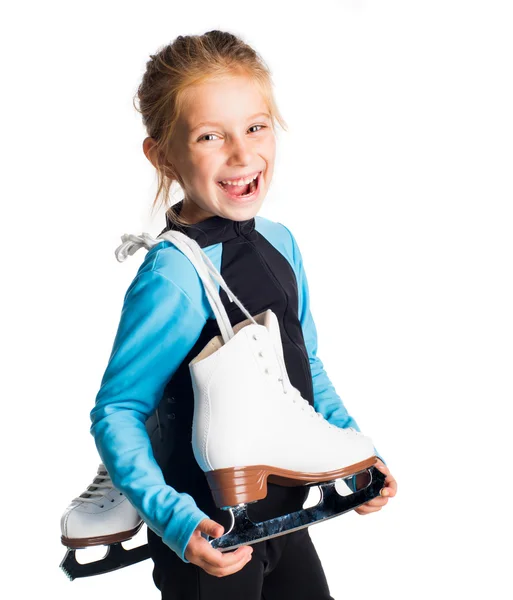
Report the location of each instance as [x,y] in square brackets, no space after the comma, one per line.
[158,327]
[326,399]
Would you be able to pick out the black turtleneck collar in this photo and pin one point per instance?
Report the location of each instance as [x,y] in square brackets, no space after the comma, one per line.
[213,230]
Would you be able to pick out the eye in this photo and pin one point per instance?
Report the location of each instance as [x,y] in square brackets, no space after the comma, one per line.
[206,135]
[261,126]
[210,134]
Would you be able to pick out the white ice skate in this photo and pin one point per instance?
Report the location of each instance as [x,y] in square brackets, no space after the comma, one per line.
[251,425]
[101,515]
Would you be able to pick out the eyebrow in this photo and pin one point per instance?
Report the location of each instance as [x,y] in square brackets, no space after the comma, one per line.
[263,114]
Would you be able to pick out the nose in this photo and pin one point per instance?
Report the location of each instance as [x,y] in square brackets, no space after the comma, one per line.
[240,152]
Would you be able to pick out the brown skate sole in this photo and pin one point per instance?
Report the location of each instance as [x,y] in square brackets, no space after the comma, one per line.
[236,485]
[122,536]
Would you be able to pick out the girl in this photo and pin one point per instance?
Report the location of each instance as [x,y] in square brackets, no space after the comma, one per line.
[208,108]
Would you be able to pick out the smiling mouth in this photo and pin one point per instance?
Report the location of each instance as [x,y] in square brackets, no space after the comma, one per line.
[241,191]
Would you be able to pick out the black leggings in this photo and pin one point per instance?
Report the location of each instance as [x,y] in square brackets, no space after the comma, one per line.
[283,567]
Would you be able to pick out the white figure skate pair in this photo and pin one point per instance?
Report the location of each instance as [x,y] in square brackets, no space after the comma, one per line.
[250,426]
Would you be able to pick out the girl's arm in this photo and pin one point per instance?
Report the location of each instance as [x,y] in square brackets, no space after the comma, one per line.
[326,399]
[158,327]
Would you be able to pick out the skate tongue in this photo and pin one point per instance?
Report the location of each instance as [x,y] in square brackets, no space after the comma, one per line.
[272,325]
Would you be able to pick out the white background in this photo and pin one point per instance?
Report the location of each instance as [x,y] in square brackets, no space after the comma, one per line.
[395,177]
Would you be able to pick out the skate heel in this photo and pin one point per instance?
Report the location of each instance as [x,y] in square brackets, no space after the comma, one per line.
[236,485]
[241,485]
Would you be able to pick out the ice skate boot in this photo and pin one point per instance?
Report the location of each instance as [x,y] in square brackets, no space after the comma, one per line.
[101,515]
[251,425]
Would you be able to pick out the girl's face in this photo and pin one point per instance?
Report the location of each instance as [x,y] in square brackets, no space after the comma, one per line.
[225,132]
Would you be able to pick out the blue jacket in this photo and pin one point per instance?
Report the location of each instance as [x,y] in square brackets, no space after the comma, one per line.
[141,421]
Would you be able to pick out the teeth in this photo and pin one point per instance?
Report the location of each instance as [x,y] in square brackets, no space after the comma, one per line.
[241,181]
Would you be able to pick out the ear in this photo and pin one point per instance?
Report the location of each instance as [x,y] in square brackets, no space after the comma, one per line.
[151,152]
[150,148]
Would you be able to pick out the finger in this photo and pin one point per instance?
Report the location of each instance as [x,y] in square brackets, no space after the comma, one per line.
[229,569]
[390,488]
[382,467]
[225,571]
[364,510]
[378,501]
[216,558]
[201,550]
[211,528]
[375,503]
[389,478]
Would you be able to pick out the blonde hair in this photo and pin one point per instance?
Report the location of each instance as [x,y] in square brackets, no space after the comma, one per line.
[187,61]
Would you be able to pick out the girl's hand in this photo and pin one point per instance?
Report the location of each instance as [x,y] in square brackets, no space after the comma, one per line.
[214,562]
[389,491]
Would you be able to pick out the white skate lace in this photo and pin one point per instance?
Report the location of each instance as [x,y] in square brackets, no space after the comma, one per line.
[296,397]
[203,265]
[305,405]
[96,491]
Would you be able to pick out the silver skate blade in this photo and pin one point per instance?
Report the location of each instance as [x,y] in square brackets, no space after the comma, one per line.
[117,557]
[243,531]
